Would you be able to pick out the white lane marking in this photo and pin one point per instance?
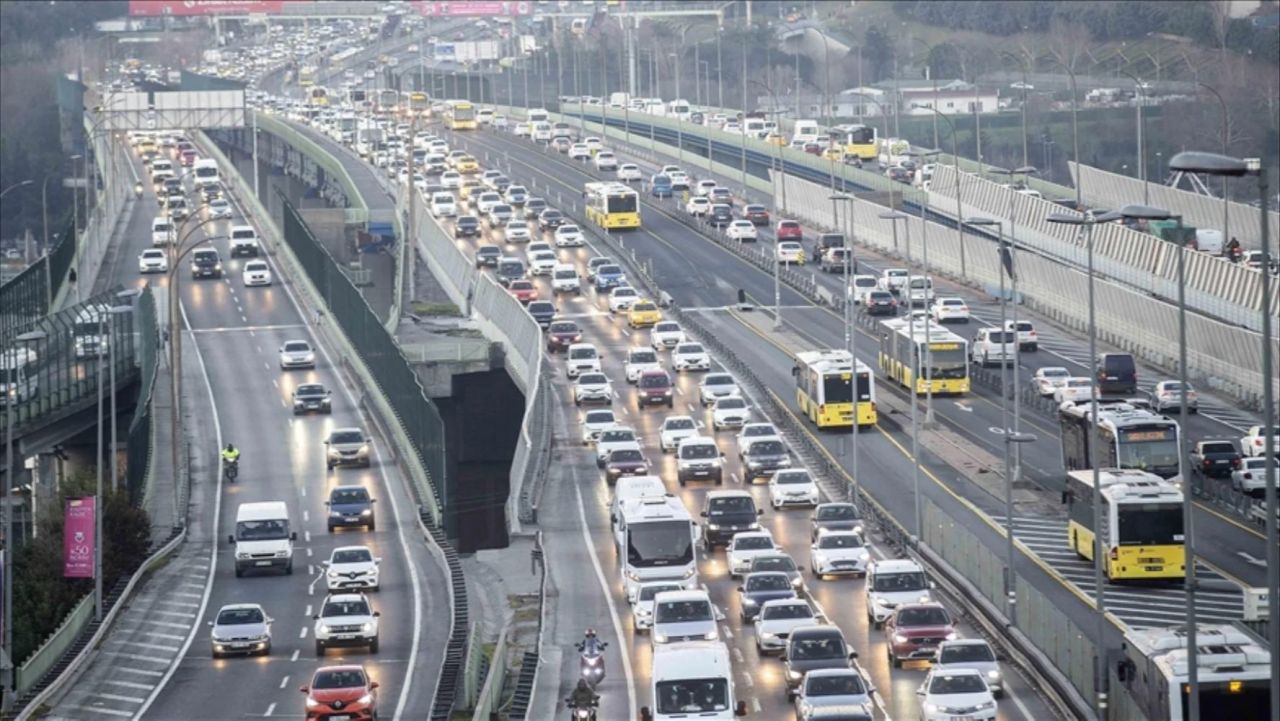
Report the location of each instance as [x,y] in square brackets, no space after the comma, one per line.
[129,684]
[306,536]
[284,682]
[242,328]
[101,709]
[294,657]
[305,515]
[303,632]
[613,612]
[272,708]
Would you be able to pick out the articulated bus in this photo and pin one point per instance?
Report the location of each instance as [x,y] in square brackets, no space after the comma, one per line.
[1141,524]
[318,95]
[824,389]
[418,104]
[942,357]
[460,115]
[856,140]
[612,206]
[1128,437]
[1233,668]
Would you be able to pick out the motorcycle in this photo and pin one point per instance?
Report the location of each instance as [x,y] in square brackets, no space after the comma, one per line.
[591,663]
[230,469]
[581,713]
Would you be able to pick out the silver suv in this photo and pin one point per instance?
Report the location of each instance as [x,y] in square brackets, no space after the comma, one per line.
[346,619]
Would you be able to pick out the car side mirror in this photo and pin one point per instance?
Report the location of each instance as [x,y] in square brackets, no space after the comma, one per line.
[373,500]
[305,689]
[231,540]
[326,442]
[932,584]
[211,623]
[378,559]
[374,685]
[742,589]
[324,564]
[704,514]
[741,709]
[853,655]
[759,511]
[315,617]
[920,691]
[326,503]
[800,568]
[377,614]
[328,393]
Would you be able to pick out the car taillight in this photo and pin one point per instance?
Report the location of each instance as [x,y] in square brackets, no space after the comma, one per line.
[1207,463]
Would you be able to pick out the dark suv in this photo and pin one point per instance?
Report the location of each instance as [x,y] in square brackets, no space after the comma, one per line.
[350,506]
[763,457]
[205,263]
[654,387]
[1117,374]
[720,215]
[728,513]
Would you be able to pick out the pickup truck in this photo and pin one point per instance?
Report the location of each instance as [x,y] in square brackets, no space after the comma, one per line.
[1215,459]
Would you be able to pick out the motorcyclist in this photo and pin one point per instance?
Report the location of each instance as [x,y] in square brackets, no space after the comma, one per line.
[591,645]
[230,454]
[583,696]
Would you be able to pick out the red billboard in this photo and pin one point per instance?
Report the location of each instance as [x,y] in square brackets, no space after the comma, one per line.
[78,537]
[204,7]
[461,8]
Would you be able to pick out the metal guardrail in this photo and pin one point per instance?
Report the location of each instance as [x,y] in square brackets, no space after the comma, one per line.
[39,663]
[320,157]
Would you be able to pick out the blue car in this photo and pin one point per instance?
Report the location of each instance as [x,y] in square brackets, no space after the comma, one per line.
[609,277]
[660,186]
[763,586]
[350,506]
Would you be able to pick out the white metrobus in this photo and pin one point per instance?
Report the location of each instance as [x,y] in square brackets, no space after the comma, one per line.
[655,538]
[1233,671]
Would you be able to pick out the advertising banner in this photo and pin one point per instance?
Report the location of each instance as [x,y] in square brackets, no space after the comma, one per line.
[204,7]
[78,537]
[478,8]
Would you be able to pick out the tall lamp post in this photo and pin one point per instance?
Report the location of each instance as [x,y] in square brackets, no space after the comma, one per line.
[1226,133]
[1226,166]
[850,336]
[124,295]
[1011,249]
[1075,136]
[777,264]
[921,155]
[99,505]
[895,217]
[955,158]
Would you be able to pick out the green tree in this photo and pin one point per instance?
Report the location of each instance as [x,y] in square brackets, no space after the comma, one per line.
[944,61]
[877,53]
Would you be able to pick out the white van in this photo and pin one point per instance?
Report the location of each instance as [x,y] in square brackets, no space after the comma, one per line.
[537,115]
[206,172]
[542,132]
[806,131]
[629,487]
[754,128]
[19,376]
[919,290]
[564,279]
[263,538]
[1209,240]
[992,345]
[692,680]
[892,583]
[161,231]
[244,241]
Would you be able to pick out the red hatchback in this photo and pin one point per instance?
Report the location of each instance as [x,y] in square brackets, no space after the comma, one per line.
[188,158]
[915,630]
[790,230]
[757,214]
[341,692]
[524,290]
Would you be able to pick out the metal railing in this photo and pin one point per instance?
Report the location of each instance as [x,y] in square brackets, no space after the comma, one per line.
[50,652]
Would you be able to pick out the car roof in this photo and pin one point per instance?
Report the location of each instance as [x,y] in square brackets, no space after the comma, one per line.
[896,565]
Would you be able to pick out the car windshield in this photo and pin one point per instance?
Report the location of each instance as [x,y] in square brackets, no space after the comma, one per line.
[349,495]
[966,653]
[666,328]
[766,448]
[735,504]
[690,348]
[893,582]
[626,455]
[582,353]
[768,582]
[239,616]
[338,679]
[564,327]
[296,347]
[679,424]
[844,684]
[590,379]
[927,616]
[731,404]
[787,610]
[268,530]
[595,417]
[310,390]
[1054,372]
[752,543]
[352,555]
[784,564]
[717,380]
[654,380]
[793,478]
[691,696]
[648,592]
[839,540]
[683,611]
[617,436]
[660,543]
[838,512]
[619,292]
[699,451]
[351,607]
[967,683]
[815,647]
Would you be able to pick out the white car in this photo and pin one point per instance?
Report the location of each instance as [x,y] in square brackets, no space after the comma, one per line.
[582,358]
[894,279]
[516,231]
[776,620]
[690,357]
[675,429]
[579,151]
[730,412]
[1248,478]
[542,263]
[679,179]
[1167,395]
[522,130]
[451,179]
[638,361]
[946,689]
[684,615]
[1074,389]
[622,298]
[789,251]
[666,335]
[486,201]
[443,205]
[703,188]
[697,205]
[564,279]
[219,208]
[863,285]
[594,422]
[1254,442]
[838,553]
[539,247]
[950,309]
[628,172]
[606,160]
[346,619]
[593,144]
[297,354]
[642,602]
[592,388]
[741,230]
[153,260]
[747,545]
[792,487]
[974,653]
[1049,379]
[257,272]
[715,386]
[752,431]
[569,236]
[351,567]
[614,438]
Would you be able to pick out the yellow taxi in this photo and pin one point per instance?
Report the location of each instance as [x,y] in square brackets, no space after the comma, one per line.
[775,139]
[643,314]
[833,153]
[468,187]
[467,164]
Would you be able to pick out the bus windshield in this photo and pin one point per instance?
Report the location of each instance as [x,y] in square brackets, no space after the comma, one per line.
[1156,452]
[1150,524]
[837,388]
[949,363]
[464,112]
[660,543]
[862,136]
[622,203]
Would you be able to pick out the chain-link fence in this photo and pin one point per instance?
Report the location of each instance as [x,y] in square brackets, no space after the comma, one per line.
[25,298]
[395,377]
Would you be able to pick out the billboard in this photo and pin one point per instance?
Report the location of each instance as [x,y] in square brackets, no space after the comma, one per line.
[460,8]
[469,51]
[204,7]
[78,537]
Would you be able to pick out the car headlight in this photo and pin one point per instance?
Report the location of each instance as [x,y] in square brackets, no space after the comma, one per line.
[335,514]
[769,636]
[365,699]
[932,708]
[899,638]
[691,572]
[282,554]
[794,675]
[334,574]
[750,602]
[993,675]
[710,636]
[218,266]
[323,629]
[367,628]
[312,703]
[633,576]
[659,637]
[364,450]
[986,705]
[367,512]
[753,464]
[952,636]
[864,556]
[924,597]
[242,556]
[713,526]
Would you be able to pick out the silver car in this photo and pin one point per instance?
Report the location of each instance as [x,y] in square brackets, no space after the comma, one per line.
[297,354]
[831,687]
[973,653]
[240,628]
[346,447]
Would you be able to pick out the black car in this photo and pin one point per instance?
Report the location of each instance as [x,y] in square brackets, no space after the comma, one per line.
[728,513]
[881,302]
[762,586]
[1117,374]
[550,219]
[763,457]
[720,215]
[350,506]
[487,255]
[534,206]
[466,226]
[835,517]
[810,648]
[312,397]
[542,311]
[1215,459]
[510,269]
[205,263]
[561,334]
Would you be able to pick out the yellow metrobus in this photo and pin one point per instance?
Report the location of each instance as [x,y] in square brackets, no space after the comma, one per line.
[460,115]
[941,356]
[318,96]
[856,140]
[1141,524]
[824,389]
[613,206]
[417,103]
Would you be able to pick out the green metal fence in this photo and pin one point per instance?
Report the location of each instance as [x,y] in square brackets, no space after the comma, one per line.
[147,346]
[61,258]
[24,299]
[30,671]
[416,412]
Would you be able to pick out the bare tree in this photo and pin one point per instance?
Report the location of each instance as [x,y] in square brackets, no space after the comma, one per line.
[1069,43]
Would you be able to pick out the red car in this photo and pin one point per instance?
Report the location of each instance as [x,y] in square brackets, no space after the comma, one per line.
[562,334]
[915,630]
[523,290]
[790,230]
[188,158]
[756,214]
[341,692]
[813,148]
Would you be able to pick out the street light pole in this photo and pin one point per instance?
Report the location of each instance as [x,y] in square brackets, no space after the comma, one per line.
[1142,155]
[955,158]
[929,421]
[914,392]
[1075,154]
[1226,129]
